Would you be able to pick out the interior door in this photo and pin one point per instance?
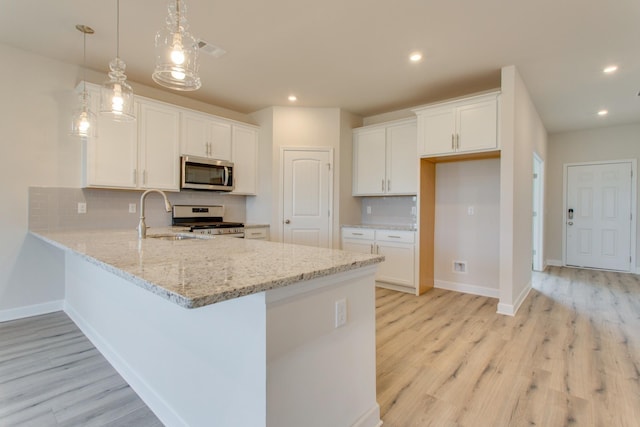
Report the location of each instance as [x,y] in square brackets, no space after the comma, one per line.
[598,216]
[307,197]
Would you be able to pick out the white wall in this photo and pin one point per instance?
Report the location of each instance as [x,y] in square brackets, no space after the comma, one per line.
[302,127]
[463,237]
[35,110]
[609,143]
[522,133]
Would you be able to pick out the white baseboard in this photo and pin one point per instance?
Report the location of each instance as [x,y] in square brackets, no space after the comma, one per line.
[512,309]
[467,289]
[555,262]
[369,419]
[146,393]
[31,310]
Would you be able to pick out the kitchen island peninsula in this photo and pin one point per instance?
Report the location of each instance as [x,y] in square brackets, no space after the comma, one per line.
[229,332]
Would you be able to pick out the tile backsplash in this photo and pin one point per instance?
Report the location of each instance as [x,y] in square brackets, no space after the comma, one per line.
[392,210]
[52,208]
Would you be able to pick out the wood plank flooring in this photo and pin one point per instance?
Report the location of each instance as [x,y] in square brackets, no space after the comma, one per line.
[570,357]
[51,375]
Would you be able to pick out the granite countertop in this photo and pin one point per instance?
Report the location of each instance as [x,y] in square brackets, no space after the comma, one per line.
[382,227]
[198,272]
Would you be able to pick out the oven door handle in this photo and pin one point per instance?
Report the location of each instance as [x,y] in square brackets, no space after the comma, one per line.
[226,175]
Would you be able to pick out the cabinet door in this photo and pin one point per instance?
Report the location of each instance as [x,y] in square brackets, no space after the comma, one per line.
[369,160]
[398,266]
[194,135]
[438,128]
[110,159]
[360,246]
[402,159]
[477,126]
[205,136]
[220,140]
[245,159]
[159,154]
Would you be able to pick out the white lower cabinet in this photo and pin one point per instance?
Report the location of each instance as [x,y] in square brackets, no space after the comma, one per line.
[398,247]
[257,233]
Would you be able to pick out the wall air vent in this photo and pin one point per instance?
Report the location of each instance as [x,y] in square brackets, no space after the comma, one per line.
[209,49]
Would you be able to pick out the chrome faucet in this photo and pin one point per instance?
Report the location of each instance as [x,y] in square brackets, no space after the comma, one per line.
[142,226]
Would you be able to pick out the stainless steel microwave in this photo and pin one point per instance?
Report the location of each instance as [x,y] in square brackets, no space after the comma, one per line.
[201,173]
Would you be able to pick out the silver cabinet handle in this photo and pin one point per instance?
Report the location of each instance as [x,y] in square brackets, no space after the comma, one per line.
[357,234]
[377,249]
[457,141]
[382,185]
[135,176]
[371,249]
[144,177]
[394,237]
[453,147]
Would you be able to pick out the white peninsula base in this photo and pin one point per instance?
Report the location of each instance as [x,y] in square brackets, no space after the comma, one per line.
[273,358]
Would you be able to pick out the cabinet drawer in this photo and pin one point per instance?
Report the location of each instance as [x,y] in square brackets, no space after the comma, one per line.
[255,233]
[358,233]
[395,236]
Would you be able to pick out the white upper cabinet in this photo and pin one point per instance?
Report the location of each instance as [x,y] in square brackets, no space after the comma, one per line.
[158,142]
[111,159]
[205,136]
[385,159]
[461,126]
[244,155]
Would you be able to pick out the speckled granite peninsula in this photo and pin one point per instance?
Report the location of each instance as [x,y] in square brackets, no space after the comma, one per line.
[224,331]
[198,272]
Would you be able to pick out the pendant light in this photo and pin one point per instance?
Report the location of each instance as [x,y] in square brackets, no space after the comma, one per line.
[176,52]
[116,95]
[84,120]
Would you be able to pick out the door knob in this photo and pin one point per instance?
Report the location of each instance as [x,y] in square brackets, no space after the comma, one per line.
[286,221]
[570,223]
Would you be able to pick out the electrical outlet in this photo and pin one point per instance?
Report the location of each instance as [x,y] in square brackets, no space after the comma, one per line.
[82,208]
[368,210]
[471,210]
[132,208]
[341,312]
[459,266]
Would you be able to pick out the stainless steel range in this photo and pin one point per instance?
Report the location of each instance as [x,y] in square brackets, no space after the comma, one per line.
[204,219]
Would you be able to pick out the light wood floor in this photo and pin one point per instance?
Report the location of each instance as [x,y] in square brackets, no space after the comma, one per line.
[51,375]
[570,357]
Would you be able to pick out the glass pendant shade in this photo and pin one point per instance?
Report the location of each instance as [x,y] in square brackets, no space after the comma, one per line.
[84,122]
[176,52]
[116,95]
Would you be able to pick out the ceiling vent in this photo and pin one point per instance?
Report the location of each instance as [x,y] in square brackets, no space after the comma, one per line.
[209,49]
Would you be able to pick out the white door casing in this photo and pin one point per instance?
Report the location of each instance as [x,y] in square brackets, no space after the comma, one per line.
[307,196]
[538,213]
[599,207]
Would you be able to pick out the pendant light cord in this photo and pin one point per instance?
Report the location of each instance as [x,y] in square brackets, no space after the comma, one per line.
[177,16]
[117,28]
[84,64]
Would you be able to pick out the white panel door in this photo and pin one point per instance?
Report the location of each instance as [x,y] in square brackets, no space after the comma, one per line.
[598,217]
[307,197]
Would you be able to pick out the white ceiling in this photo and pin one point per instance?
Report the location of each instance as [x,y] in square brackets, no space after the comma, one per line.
[353,54]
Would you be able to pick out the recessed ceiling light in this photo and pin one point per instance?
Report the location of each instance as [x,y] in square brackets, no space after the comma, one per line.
[610,69]
[603,112]
[415,57]
[293,98]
